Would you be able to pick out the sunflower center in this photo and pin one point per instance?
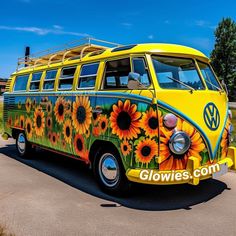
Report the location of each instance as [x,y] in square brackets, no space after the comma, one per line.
[68,131]
[153,123]
[49,122]
[49,108]
[39,121]
[124,120]
[28,128]
[79,144]
[81,114]
[54,138]
[146,150]
[125,148]
[60,109]
[103,125]
[95,115]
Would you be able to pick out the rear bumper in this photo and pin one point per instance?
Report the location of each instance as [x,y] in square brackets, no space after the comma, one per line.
[136,175]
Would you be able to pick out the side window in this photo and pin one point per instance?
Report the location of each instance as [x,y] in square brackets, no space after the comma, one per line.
[49,79]
[21,83]
[209,77]
[140,67]
[67,77]
[34,84]
[88,75]
[116,74]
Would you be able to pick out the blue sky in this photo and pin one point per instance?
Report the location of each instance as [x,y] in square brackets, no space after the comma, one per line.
[42,24]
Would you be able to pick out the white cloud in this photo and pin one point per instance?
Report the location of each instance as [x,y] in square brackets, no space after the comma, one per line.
[127,25]
[205,24]
[151,36]
[43,31]
[57,27]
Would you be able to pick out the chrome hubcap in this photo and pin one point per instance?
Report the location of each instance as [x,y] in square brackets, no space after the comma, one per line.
[109,170]
[21,143]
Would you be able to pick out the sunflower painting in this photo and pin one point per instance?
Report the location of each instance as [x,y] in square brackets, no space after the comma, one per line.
[126,148]
[60,109]
[39,121]
[49,107]
[28,128]
[28,105]
[22,121]
[149,122]
[79,145]
[125,120]
[49,122]
[82,114]
[146,150]
[135,127]
[67,131]
[225,139]
[103,124]
[171,161]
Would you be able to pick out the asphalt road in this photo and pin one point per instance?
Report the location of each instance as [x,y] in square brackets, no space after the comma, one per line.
[52,195]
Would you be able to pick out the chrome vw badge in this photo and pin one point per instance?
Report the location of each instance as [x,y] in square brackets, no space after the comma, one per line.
[211,116]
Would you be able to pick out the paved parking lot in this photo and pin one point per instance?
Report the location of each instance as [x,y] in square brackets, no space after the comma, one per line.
[52,195]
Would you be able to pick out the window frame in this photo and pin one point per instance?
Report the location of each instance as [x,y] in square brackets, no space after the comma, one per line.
[146,67]
[82,76]
[179,57]
[104,71]
[26,88]
[130,57]
[35,81]
[202,77]
[71,77]
[48,80]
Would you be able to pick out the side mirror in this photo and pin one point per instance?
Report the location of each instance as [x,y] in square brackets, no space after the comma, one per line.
[134,81]
[224,86]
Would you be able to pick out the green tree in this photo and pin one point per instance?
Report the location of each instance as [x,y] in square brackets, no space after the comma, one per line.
[223,56]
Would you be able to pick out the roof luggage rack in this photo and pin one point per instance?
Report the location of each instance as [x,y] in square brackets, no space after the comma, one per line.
[75,49]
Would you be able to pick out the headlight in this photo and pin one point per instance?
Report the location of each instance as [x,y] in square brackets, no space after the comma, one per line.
[179,143]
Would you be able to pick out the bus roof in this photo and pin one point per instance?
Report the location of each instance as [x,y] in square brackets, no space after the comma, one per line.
[97,52]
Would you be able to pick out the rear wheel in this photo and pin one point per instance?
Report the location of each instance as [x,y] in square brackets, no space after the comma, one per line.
[110,173]
[22,145]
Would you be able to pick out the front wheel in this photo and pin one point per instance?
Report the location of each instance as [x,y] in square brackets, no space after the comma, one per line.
[110,173]
[22,145]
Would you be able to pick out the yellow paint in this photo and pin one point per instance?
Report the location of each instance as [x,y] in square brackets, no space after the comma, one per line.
[133,174]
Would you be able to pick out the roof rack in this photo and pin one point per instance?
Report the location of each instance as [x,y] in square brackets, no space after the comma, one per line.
[75,49]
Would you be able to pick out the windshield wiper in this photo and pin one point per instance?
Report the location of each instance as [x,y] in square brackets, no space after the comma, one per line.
[180,82]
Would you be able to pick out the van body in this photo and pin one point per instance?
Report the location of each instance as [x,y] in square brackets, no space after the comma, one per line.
[157,108]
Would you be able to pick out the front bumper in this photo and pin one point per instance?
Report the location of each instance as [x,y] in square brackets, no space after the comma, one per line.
[193,164]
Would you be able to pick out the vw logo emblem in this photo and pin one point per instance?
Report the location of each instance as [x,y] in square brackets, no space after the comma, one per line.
[211,116]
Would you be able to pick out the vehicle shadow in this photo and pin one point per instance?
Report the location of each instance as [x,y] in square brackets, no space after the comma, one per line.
[142,197]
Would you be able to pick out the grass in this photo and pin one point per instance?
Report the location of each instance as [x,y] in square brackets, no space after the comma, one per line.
[1,117]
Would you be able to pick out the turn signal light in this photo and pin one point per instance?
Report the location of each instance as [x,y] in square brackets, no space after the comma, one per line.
[170,121]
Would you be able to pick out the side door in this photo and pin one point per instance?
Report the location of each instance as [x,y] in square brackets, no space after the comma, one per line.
[128,118]
[83,107]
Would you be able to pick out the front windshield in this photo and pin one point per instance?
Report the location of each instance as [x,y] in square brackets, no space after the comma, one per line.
[176,73]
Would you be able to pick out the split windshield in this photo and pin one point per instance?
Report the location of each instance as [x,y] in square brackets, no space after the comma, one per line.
[177,73]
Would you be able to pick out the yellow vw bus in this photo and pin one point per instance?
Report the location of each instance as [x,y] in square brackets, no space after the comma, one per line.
[142,113]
